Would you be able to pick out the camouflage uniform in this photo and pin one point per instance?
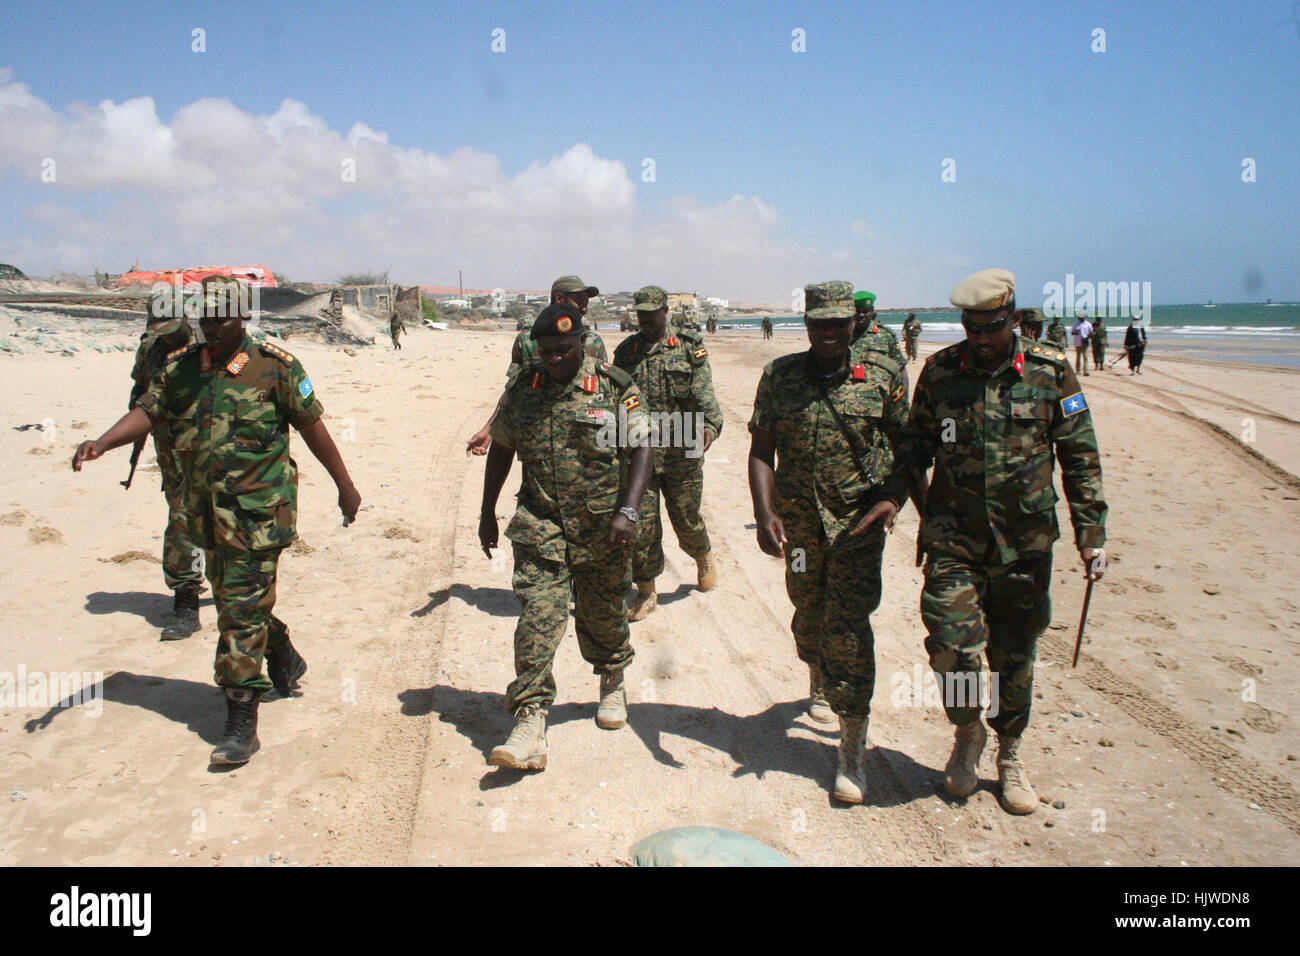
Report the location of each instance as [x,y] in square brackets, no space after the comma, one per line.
[524,352]
[990,517]
[395,329]
[911,332]
[230,429]
[833,579]
[1056,334]
[673,375]
[574,472]
[179,551]
[879,338]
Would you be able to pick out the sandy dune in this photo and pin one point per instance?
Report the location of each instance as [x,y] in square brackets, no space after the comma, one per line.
[1173,742]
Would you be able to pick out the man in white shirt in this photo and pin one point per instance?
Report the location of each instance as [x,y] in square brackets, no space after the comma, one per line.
[1081,329]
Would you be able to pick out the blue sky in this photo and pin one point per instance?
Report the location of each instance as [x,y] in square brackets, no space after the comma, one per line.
[772,168]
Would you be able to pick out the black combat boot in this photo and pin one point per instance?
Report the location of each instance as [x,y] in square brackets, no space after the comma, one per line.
[239,740]
[185,614]
[285,666]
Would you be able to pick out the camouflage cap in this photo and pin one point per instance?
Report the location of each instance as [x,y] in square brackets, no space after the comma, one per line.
[573,284]
[828,300]
[558,318]
[224,297]
[984,291]
[649,298]
[163,315]
[863,296]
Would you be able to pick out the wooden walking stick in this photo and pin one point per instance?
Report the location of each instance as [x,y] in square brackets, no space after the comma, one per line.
[1083,618]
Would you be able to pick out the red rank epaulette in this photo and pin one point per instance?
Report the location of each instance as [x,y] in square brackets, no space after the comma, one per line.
[536,383]
[1019,363]
[638,346]
[589,383]
[672,342]
[859,373]
[236,364]
[205,359]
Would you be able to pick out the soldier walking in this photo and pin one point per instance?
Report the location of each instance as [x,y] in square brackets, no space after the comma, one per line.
[671,368]
[395,329]
[1056,333]
[766,326]
[911,333]
[822,437]
[228,405]
[992,413]
[572,422]
[166,331]
[869,333]
[1099,343]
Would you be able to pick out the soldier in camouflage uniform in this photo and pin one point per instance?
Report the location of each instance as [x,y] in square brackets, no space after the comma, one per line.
[228,404]
[1055,334]
[911,332]
[395,329]
[869,333]
[831,417]
[671,368]
[572,423]
[766,325]
[167,330]
[523,353]
[993,413]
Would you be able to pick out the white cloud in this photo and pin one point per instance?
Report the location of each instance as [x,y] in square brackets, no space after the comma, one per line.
[219,184]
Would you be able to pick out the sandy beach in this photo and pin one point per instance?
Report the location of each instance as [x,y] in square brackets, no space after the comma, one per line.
[1174,742]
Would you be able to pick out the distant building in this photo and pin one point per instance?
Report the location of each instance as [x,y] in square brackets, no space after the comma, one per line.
[712,303]
[681,300]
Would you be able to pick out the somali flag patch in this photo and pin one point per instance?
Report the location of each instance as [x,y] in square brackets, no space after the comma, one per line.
[305,388]
[1074,404]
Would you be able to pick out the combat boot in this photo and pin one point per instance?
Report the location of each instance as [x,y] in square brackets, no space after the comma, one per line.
[526,747]
[961,775]
[239,740]
[285,666]
[851,773]
[185,614]
[707,572]
[1017,795]
[819,708]
[612,712]
[646,601]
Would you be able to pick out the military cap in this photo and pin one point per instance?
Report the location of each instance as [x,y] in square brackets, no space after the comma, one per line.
[862,295]
[984,291]
[573,284]
[828,300]
[224,297]
[164,315]
[558,318]
[649,298]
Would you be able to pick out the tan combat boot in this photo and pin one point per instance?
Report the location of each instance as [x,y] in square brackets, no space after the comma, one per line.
[526,747]
[851,774]
[1017,795]
[708,572]
[646,601]
[612,712]
[961,775]
[819,708]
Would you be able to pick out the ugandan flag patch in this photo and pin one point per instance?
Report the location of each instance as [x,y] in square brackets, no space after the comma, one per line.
[701,352]
[631,402]
[897,394]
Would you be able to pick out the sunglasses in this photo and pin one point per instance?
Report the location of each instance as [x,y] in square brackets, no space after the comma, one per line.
[985,328]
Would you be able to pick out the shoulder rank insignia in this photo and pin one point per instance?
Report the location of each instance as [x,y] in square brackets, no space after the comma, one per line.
[701,352]
[205,359]
[897,393]
[631,402]
[236,364]
[1074,404]
[536,382]
[278,352]
[1019,363]
[672,342]
[589,384]
[637,345]
[859,373]
[604,366]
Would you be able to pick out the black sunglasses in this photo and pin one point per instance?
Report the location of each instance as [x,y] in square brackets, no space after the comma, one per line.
[986,328]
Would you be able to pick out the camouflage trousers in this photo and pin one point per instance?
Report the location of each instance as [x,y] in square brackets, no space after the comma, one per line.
[834,584]
[243,588]
[600,617]
[910,345]
[972,609]
[681,484]
[180,555]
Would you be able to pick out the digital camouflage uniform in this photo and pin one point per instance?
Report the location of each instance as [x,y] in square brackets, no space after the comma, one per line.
[524,351]
[180,569]
[876,337]
[674,376]
[574,471]
[230,429]
[911,332]
[990,516]
[820,493]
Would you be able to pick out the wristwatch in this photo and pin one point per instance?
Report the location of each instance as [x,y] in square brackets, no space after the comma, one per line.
[628,513]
